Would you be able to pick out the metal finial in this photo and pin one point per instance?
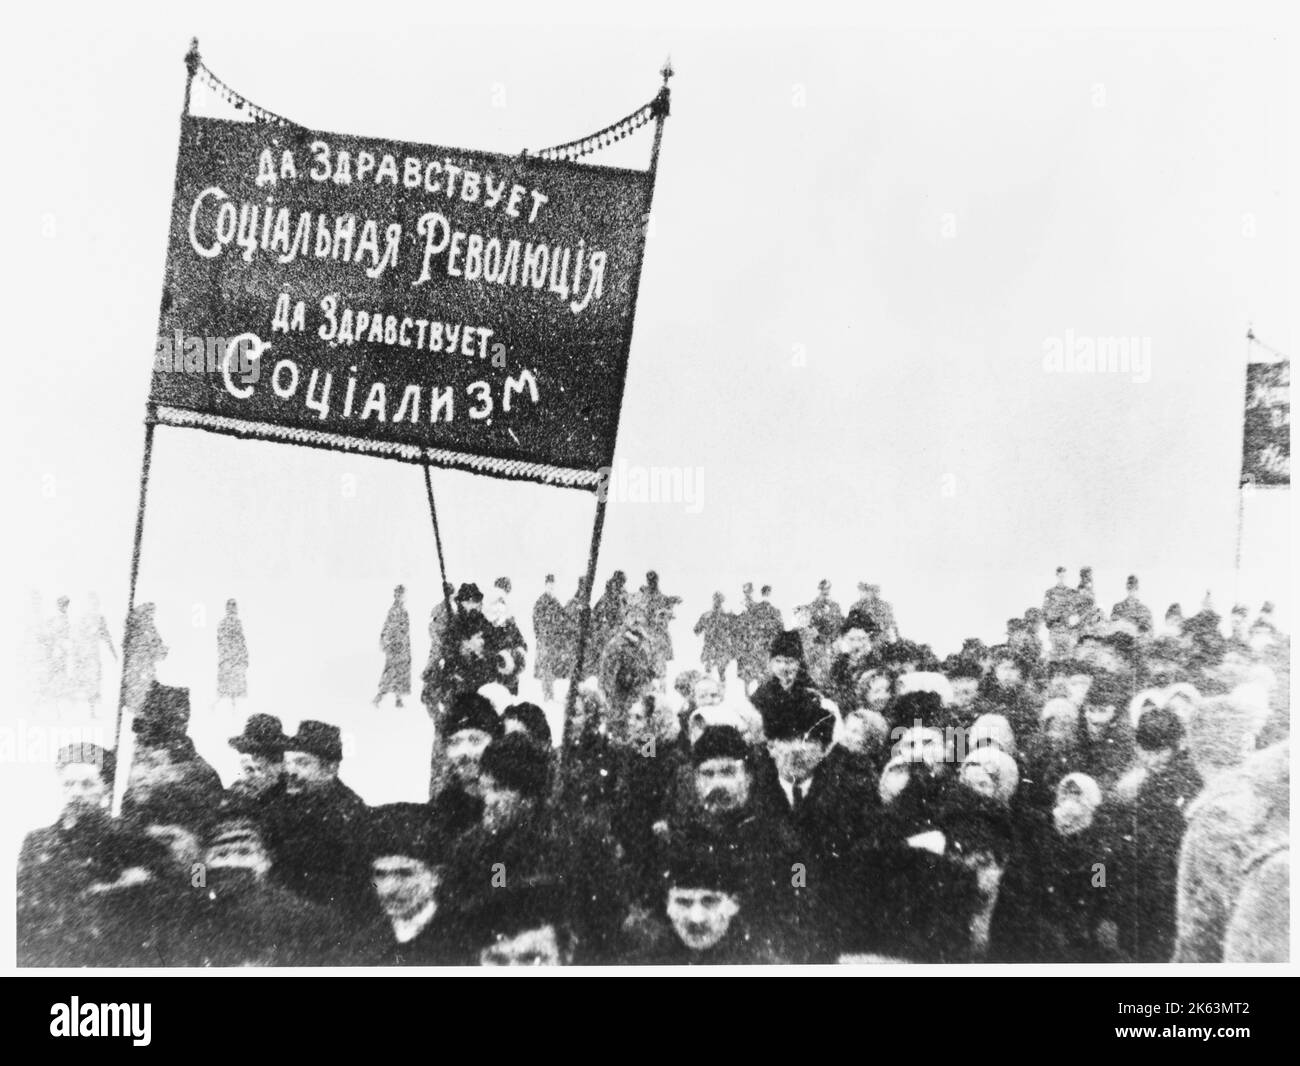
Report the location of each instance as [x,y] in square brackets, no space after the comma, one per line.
[667,71]
[192,56]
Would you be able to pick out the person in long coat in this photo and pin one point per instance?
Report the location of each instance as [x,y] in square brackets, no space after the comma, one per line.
[232,656]
[554,639]
[395,642]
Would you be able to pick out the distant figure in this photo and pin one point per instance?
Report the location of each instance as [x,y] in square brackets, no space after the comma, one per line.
[395,642]
[142,650]
[57,638]
[551,628]
[718,628]
[759,626]
[877,610]
[1132,610]
[87,668]
[1059,613]
[232,656]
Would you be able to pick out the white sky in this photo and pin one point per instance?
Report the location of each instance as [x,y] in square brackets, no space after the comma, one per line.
[944,202]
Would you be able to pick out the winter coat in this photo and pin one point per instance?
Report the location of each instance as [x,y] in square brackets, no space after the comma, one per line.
[395,642]
[317,845]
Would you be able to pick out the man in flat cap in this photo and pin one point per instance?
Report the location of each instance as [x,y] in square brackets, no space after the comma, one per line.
[414,929]
[315,829]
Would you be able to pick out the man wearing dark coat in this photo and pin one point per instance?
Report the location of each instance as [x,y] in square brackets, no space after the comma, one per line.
[723,817]
[554,640]
[395,643]
[457,803]
[1153,830]
[825,811]
[240,914]
[165,755]
[59,863]
[707,917]
[521,837]
[468,662]
[316,829]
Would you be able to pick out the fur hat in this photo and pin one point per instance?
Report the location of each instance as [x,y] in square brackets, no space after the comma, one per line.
[471,710]
[798,715]
[518,762]
[401,829]
[533,719]
[788,644]
[165,715]
[719,742]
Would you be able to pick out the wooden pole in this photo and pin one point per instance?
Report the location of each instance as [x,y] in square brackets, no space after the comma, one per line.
[661,106]
[120,770]
[437,536]
[122,767]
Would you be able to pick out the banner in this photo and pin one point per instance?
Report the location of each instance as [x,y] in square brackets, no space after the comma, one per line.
[1266,456]
[420,303]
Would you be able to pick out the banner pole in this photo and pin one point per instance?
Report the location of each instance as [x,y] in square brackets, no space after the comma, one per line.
[437,536]
[584,625]
[120,770]
[661,110]
[122,765]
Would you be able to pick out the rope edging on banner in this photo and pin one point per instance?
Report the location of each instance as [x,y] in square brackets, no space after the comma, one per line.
[411,453]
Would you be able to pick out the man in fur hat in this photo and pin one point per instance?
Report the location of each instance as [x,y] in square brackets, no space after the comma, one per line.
[471,725]
[708,916]
[315,830]
[164,753]
[415,929]
[520,836]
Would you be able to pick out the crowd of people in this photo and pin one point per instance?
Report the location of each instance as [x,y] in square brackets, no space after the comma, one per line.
[1093,788]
